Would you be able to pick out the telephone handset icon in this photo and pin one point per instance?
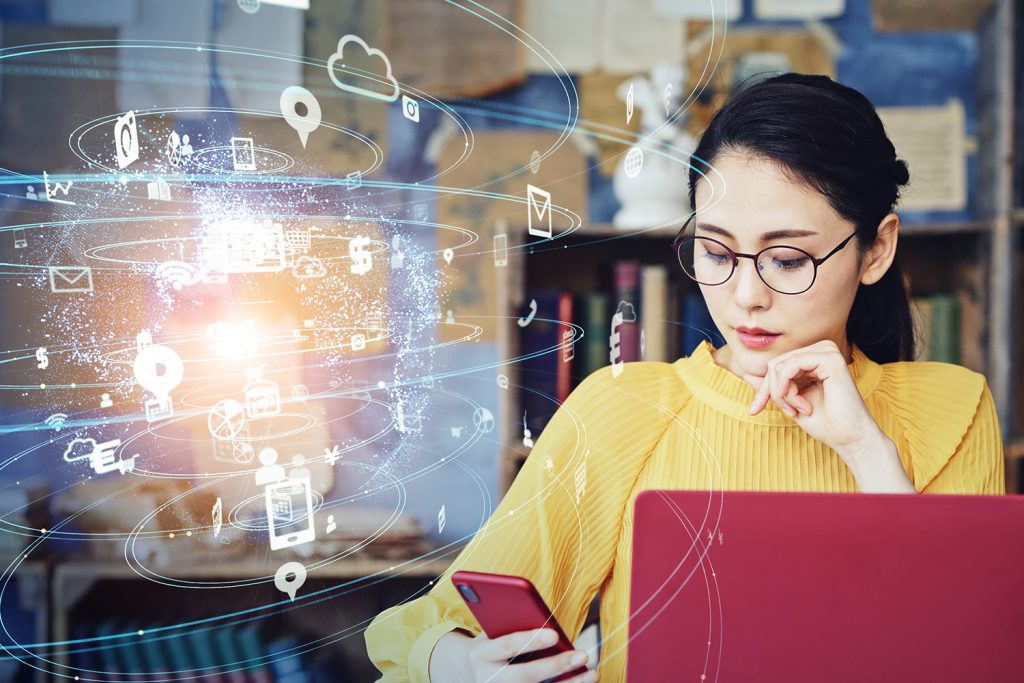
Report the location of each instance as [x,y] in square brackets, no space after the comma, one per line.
[523,322]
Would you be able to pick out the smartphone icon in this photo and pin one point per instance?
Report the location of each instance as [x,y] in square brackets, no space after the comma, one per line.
[523,322]
[243,154]
[290,513]
[501,250]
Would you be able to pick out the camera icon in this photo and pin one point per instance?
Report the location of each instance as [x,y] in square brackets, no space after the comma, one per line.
[411,108]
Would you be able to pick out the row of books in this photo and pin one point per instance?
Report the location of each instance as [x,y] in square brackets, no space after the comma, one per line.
[219,654]
[641,315]
[644,316]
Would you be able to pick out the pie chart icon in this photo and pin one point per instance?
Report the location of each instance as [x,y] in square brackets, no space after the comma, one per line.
[226,419]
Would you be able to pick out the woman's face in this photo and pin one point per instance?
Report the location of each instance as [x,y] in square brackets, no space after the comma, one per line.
[759,206]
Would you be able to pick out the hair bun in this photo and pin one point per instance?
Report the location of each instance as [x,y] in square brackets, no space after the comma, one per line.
[900,172]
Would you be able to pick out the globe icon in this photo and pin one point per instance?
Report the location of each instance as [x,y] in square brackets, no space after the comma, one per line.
[634,162]
[249,6]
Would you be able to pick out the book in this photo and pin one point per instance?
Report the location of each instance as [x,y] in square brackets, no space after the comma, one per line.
[626,285]
[545,369]
[697,325]
[593,317]
[654,313]
[944,343]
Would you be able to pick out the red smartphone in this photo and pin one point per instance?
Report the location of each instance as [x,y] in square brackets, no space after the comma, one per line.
[506,604]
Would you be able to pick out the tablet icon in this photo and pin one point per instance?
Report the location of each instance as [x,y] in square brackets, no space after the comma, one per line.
[538,203]
[523,322]
[243,154]
[500,250]
[290,513]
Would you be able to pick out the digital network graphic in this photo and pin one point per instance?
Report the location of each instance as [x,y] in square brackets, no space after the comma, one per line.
[203,310]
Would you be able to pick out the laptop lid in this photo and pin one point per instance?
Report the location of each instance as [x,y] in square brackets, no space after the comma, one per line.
[802,587]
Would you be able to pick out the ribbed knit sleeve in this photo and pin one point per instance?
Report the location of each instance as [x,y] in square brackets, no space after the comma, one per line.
[947,427]
[602,437]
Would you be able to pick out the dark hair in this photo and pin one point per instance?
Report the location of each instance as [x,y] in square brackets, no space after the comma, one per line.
[828,136]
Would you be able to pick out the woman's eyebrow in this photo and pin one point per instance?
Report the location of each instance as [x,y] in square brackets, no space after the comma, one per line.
[766,237]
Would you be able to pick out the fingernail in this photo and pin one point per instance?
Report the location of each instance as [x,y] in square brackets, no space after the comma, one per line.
[578,658]
[548,636]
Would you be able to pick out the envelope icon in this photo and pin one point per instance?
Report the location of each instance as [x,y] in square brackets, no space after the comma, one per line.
[538,204]
[70,279]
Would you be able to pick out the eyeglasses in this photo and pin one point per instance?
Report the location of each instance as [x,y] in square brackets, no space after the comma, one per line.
[787,270]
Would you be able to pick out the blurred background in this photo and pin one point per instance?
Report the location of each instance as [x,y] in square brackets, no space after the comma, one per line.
[486,323]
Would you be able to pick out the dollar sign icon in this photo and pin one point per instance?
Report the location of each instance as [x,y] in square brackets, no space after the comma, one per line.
[43,361]
[362,260]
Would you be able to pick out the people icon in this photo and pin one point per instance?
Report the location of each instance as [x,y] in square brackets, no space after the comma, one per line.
[30,193]
[186,146]
[331,526]
[269,470]
[298,470]
[450,318]
[105,401]
[397,257]
[527,434]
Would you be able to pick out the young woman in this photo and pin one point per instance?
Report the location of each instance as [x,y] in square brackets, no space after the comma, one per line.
[793,245]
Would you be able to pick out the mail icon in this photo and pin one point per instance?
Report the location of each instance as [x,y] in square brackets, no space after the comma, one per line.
[70,279]
[538,205]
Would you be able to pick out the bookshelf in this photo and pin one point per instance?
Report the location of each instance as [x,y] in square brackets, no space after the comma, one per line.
[979,261]
[946,258]
[80,590]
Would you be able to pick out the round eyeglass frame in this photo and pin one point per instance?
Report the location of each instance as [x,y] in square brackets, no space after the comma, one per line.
[681,240]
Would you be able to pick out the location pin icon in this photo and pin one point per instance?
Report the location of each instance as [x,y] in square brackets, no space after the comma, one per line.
[304,124]
[290,586]
[448,255]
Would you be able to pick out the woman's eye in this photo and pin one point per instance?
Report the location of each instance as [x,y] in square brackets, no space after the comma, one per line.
[795,263]
[717,257]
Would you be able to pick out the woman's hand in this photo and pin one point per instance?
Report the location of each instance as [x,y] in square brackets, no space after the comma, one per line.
[459,657]
[813,386]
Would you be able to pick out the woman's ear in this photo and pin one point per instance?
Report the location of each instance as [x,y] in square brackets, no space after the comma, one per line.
[881,254]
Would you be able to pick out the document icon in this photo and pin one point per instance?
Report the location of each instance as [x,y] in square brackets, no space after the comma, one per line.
[538,205]
[70,279]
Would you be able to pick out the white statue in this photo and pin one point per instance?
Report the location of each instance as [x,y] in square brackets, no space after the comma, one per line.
[651,178]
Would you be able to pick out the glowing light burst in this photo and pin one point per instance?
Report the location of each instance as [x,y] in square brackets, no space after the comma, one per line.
[218,236]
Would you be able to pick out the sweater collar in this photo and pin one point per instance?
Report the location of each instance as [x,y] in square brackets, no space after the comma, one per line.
[729,393]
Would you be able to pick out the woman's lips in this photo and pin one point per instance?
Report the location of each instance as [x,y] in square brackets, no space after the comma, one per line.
[756,338]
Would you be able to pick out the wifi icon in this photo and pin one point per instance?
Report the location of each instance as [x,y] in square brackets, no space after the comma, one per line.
[56,421]
[177,274]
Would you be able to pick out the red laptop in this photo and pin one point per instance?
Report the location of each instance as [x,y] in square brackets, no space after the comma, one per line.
[801,587]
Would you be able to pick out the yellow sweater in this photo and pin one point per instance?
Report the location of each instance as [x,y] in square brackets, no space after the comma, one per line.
[642,431]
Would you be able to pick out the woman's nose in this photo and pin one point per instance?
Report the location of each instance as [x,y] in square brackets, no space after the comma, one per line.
[749,290]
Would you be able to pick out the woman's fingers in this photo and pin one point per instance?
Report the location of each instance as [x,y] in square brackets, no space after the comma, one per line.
[786,389]
[508,646]
[550,667]
[762,395]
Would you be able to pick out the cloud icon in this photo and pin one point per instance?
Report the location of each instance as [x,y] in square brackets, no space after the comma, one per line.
[74,451]
[627,311]
[387,78]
